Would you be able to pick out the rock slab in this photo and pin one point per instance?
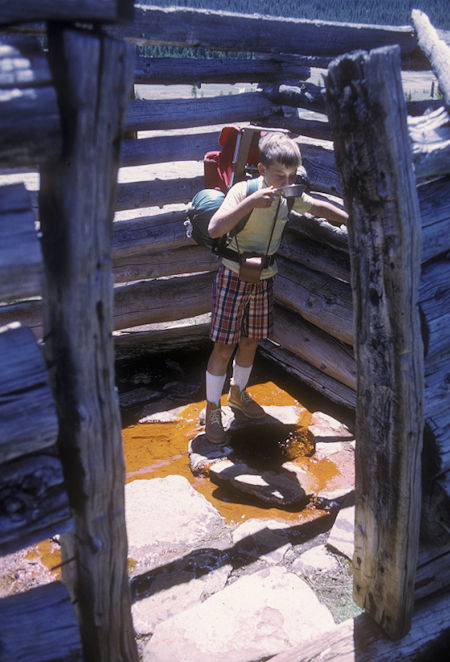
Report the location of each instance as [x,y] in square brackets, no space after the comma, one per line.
[256,617]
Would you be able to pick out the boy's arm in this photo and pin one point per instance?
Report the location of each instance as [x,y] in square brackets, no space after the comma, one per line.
[322,209]
[226,217]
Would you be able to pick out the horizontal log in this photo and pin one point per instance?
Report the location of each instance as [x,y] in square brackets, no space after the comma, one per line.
[434,203]
[434,305]
[360,638]
[21,266]
[30,130]
[163,300]
[259,34]
[38,621]
[162,337]
[146,115]
[22,62]
[158,192]
[28,313]
[300,249]
[435,49]
[149,234]
[28,420]
[194,71]
[69,10]
[433,570]
[321,350]
[318,129]
[307,95]
[430,136]
[33,502]
[164,149]
[301,369]
[320,230]
[186,260]
[318,298]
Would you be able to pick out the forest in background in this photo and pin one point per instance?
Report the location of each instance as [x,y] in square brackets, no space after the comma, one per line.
[383,12]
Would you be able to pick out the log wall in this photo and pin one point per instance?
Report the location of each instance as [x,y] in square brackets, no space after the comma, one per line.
[162,279]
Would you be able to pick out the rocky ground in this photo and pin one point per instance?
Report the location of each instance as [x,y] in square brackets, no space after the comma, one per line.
[203,588]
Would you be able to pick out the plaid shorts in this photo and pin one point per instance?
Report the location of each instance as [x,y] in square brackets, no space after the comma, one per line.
[240,309]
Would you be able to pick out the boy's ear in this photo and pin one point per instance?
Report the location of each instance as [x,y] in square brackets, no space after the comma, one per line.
[261,168]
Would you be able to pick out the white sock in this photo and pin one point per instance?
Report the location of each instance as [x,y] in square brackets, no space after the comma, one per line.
[241,375]
[214,387]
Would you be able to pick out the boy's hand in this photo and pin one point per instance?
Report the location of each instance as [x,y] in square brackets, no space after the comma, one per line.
[264,197]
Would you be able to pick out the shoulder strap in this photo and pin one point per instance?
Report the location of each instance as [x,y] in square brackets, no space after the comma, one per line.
[252,187]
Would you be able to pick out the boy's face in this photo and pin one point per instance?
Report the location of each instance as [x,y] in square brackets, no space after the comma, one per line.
[277,175]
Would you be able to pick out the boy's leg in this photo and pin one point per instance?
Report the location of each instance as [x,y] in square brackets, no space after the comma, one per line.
[215,379]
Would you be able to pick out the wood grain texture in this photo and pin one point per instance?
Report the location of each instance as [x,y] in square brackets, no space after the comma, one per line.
[38,623]
[368,116]
[77,200]
[28,420]
[21,267]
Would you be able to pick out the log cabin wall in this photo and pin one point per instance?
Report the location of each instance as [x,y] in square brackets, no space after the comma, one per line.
[162,279]
[61,456]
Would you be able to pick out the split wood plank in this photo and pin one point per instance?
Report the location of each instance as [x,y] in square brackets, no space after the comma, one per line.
[21,265]
[318,298]
[185,260]
[259,34]
[318,348]
[34,504]
[194,71]
[69,10]
[294,365]
[315,255]
[76,208]
[368,116]
[28,420]
[39,625]
[430,136]
[436,50]
[157,114]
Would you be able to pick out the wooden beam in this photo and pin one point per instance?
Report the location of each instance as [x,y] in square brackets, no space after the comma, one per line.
[318,348]
[69,10]
[259,34]
[185,260]
[158,192]
[294,365]
[155,114]
[150,234]
[320,299]
[76,209]
[435,49]
[434,202]
[430,136]
[24,388]
[21,267]
[38,621]
[164,149]
[360,639]
[163,300]
[195,71]
[302,250]
[33,501]
[373,155]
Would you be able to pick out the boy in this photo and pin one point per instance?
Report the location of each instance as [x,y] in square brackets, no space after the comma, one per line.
[242,310]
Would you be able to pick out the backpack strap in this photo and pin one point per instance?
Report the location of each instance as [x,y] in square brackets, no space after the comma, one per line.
[252,187]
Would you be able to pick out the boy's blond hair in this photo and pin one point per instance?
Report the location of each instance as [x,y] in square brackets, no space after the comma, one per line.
[277,147]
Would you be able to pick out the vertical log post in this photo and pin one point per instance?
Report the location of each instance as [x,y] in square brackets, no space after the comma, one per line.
[367,113]
[93,76]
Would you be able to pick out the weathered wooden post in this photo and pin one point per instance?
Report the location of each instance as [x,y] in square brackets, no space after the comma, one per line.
[367,113]
[93,76]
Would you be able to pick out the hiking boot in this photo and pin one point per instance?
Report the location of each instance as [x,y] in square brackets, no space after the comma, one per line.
[213,424]
[243,401]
